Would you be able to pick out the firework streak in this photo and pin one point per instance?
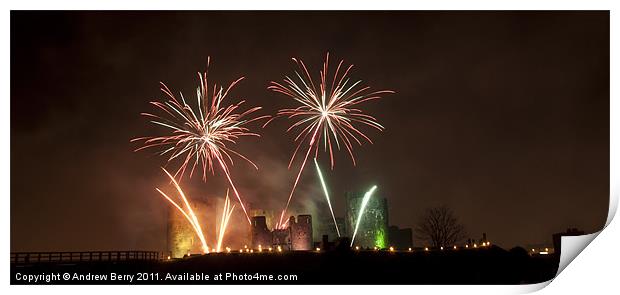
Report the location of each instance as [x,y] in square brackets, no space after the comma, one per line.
[226,212]
[329,112]
[187,212]
[200,134]
[365,200]
[329,203]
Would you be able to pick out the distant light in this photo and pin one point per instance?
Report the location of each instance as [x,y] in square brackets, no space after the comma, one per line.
[357,247]
[251,250]
[425,248]
[247,250]
[546,249]
[318,249]
[488,243]
[543,253]
[441,248]
[475,246]
[279,249]
[241,251]
[409,249]
[466,246]
[260,249]
[533,250]
[168,257]
[245,246]
[270,249]
[375,247]
[391,249]
[228,249]
[454,247]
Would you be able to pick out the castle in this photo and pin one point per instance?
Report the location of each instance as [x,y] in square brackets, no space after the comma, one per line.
[182,239]
[296,236]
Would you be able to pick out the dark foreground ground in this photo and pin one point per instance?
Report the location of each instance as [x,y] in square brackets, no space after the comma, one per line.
[475,266]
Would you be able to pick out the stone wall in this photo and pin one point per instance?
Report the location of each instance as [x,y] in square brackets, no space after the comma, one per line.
[182,238]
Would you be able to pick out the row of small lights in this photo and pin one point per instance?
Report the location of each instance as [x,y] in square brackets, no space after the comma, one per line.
[484,244]
[357,248]
[260,249]
[245,249]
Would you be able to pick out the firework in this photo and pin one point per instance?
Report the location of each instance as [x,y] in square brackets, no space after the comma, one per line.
[187,212]
[200,134]
[226,212]
[318,170]
[365,200]
[330,112]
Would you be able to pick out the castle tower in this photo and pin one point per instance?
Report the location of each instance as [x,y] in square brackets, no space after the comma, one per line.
[254,210]
[301,232]
[260,234]
[182,238]
[373,228]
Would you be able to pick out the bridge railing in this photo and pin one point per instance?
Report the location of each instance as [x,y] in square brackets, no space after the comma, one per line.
[42,257]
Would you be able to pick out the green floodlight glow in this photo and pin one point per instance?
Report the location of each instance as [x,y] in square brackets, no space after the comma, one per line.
[318,170]
[380,240]
[365,200]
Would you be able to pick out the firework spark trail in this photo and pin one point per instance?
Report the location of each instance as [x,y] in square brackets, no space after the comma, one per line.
[318,170]
[200,134]
[226,213]
[227,173]
[188,212]
[330,112]
[365,200]
[301,169]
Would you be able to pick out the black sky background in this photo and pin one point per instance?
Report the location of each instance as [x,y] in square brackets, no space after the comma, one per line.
[502,116]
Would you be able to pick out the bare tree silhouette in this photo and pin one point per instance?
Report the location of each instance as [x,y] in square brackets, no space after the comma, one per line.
[439,227]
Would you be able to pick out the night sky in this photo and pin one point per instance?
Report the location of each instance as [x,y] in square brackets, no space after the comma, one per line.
[503,117]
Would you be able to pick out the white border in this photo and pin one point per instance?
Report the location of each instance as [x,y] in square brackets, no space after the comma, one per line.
[597,272]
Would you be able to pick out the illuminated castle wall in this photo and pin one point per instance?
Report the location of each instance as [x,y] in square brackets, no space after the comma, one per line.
[260,234]
[301,232]
[282,238]
[297,236]
[182,238]
[373,228]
